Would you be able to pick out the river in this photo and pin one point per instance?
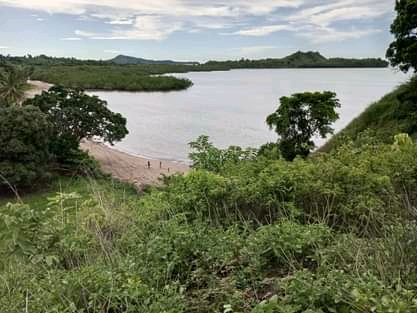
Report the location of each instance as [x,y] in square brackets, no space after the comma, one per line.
[231,106]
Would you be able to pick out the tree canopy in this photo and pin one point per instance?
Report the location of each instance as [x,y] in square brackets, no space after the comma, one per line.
[24,145]
[299,118]
[77,115]
[402,52]
[13,82]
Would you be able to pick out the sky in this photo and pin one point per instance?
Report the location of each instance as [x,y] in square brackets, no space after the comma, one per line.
[195,30]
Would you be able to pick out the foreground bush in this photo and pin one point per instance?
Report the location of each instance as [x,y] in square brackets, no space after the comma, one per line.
[25,135]
[332,233]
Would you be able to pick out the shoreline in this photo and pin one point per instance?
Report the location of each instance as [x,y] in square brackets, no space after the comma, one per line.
[131,168]
[122,165]
[185,162]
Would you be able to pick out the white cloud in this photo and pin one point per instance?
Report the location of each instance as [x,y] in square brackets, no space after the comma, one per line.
[82,33]
[159,7]
[120,22]
[71,39]
[262,30]
[3,47]
[40,19]
[326,14]
[144,28]
[328,34]
[117,52]
[157,19]
[252,50]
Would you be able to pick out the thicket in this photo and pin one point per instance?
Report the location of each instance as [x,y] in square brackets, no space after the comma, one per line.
[394,113]
[109,77]
[25,135]
[333,233]
[41,137]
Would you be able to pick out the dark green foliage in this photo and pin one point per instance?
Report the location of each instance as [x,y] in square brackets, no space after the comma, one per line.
[75,116]
[336,291]
[333,233]
[13,83]
[298,59]
[402,52]
[25,134]
[299,118]
[269,151]
[105,75]
[109,77]
[394,113]
[205,155]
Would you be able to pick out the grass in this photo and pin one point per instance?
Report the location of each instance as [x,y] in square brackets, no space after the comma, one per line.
[83,186]
[391,115]
[345,244]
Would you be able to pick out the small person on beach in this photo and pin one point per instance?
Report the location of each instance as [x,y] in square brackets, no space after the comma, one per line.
[149,164]
[160,164]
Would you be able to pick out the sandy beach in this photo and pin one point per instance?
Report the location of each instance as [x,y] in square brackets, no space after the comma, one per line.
[131,168]
[37,88]
[121,165]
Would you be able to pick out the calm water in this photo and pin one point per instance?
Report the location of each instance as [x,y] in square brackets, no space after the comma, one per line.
[231,107]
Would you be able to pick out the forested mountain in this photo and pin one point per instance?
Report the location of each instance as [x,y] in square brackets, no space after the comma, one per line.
[124,59]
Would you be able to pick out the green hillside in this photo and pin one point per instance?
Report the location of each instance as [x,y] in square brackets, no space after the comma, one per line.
[395,113]
[334,233]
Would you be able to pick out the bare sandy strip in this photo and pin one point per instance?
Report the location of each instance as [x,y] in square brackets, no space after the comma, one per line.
[37,88]
[131,168]
[123,166]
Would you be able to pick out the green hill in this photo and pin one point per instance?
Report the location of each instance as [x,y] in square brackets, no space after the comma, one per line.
[395,113]
[124,60]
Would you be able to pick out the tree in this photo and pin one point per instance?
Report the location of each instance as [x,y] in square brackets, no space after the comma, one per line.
[402,52]
[24,146]
[206,156]
[299,118]
[13,82]
[75,116]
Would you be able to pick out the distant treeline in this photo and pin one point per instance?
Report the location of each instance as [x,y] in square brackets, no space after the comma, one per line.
[107,75]
[296,60]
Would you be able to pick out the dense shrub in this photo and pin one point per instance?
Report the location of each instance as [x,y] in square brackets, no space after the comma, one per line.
[25,134]
[109,77]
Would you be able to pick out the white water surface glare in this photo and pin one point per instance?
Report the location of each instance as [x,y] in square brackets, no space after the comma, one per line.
[231,107]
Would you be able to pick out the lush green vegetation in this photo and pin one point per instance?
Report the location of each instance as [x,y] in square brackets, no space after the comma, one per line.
[13,83]
[144,76]
[394,113]
[245,231]
[334,233]
[402,52]
[300,117]
[108,77]
[41,136]
[295,60]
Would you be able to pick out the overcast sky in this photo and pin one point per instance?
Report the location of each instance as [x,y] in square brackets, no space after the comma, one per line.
[195,29]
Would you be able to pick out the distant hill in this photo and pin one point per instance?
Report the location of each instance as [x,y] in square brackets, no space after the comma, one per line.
[125,60]
[305,57]
[298,59]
